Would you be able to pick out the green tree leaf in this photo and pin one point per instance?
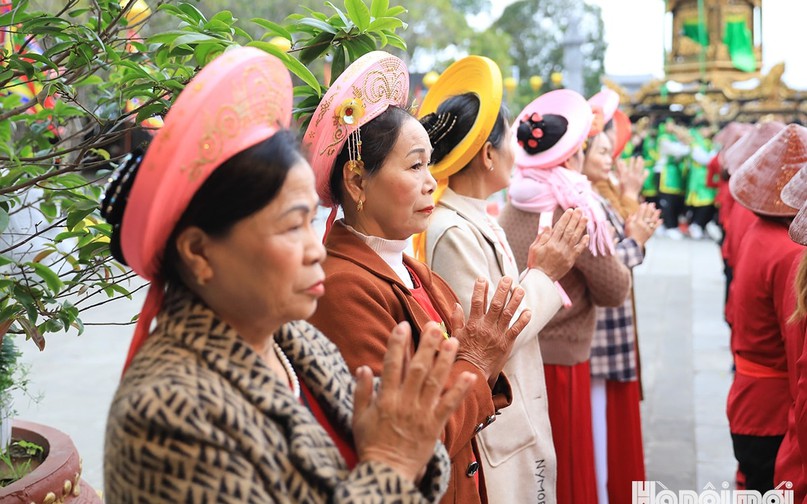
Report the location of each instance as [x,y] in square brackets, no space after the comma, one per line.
[50,277]
[359,13]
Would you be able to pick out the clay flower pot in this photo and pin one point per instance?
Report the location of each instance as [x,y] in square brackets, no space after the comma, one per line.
[57,479]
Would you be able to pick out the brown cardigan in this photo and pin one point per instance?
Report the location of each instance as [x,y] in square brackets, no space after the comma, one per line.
[364,299]
[593,281]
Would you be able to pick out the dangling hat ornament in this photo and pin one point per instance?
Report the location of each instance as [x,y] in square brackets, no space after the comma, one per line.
[240,99]
[368,87]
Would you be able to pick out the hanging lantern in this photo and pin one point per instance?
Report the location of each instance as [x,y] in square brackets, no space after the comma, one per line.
[536,82]
[510,84]
[430,78]
[556,78]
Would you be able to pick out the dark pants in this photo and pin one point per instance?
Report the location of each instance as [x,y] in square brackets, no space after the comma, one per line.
[701,215]
[672,205]
[756,456]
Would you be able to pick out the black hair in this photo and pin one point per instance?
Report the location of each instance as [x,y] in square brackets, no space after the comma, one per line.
[376,144]
[537,133]
[236,189]
[452,121]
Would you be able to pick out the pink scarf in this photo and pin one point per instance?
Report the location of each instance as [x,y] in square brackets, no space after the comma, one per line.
[539,191]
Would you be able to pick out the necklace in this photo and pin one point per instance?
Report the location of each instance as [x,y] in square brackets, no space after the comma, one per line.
[295,383]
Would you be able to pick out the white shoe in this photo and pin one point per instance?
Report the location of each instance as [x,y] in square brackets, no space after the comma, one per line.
[674,234]
[695,232]
[714,231]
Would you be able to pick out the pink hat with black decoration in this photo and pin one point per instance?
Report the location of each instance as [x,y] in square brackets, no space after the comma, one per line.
[551,129]
[368,87]
[238,100]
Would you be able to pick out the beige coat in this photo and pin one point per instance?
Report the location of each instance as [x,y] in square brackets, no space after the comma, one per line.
[517,452]
[199,417]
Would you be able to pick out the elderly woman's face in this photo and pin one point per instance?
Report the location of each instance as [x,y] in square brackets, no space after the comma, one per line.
[399,195]
[267,269]
[598,161]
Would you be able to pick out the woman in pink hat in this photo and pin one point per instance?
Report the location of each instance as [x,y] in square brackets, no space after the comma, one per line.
[372,160]
[231,398]
[615,391]
[473,159]
[551,131]
[760,396]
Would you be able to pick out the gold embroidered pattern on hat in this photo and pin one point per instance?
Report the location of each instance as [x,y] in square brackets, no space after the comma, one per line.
[243,110]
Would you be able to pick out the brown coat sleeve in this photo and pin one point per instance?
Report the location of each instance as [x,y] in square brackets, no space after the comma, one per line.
[607,279]
[358,313]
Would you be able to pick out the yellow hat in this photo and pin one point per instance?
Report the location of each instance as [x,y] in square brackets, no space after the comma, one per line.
[139,11]
[473,74]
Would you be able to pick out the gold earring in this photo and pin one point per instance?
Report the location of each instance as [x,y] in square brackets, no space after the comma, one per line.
[360,205]
[200,281]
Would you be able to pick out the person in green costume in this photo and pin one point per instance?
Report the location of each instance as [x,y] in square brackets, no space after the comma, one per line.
[700,198]
[671,170]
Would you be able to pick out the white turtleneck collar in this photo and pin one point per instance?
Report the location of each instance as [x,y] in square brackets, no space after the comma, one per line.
[391,251]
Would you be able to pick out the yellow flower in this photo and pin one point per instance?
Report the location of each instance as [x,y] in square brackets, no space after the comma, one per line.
[350,111]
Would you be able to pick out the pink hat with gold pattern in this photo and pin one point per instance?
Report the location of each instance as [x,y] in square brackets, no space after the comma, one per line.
[368,87]
[238,100]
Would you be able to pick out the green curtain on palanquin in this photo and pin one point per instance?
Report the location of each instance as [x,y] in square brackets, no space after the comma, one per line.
[697,32]
[737,36]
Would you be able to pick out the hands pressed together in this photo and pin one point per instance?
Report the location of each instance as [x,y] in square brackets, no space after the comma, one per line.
[631,175]
[641,224]
[400,424]
[555,250]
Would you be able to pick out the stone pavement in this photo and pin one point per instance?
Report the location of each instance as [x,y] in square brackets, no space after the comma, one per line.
[684,349]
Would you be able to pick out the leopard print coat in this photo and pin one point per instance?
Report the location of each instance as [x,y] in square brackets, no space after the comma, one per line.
[199,417]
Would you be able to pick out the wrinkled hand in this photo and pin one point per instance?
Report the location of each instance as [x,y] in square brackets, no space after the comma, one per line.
[641,224]
[487,337]
[401,423]
[631,176]
[555,250]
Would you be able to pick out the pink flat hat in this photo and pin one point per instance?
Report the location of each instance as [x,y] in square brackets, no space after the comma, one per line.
[748,144]
[238,100]
[731,133]
[368,87]
[604,104]
[758,184]
[571,106]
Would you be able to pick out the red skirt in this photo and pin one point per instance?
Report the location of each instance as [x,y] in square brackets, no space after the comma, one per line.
[568,390]
[625,449]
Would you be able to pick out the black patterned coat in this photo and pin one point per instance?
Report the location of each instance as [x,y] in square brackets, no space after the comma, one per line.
[199,417]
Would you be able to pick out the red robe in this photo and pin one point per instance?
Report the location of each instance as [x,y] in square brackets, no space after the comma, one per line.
[760,398]
[736,228]
[789,459]
[800,414]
